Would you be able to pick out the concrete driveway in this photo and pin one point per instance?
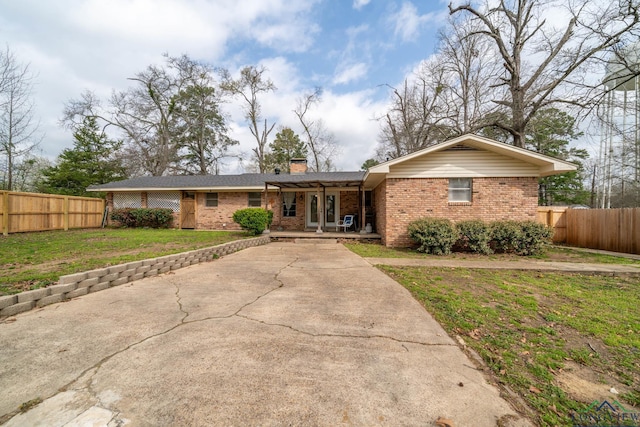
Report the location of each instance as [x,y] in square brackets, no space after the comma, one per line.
[282,334]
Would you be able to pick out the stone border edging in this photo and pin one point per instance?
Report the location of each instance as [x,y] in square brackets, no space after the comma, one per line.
[78,284]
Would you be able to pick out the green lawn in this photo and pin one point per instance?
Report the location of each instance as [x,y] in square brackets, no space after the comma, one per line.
[559,340]
[551,253]
[537,331]
[33,260]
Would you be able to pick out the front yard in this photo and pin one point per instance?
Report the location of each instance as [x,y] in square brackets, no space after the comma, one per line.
[560,341]
[34,260]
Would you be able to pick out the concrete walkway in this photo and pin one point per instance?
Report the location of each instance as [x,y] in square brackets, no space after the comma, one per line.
[509,265]
[281,334]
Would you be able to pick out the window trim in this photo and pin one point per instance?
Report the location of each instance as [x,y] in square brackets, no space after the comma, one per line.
[257,196]
[215,200]
[468,191]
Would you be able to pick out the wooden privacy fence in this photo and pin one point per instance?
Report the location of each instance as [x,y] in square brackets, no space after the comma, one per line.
[20,212]
[554,217]
[616,230]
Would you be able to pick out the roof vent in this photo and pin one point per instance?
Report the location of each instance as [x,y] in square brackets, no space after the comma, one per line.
[461,147]
[277,171]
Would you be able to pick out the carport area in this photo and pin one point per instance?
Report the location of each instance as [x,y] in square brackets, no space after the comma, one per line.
[281,334]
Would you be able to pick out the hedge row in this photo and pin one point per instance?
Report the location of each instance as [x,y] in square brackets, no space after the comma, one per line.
[440,236]
[143,217]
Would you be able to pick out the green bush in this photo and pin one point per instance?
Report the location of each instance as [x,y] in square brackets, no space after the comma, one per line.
[269,218]
[433,235]
[143,217]
[520,237]
[474,236]
[506,236]
[534,237]
[254,220]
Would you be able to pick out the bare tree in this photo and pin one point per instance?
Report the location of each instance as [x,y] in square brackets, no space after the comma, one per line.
[18,128]
[469,64]
[543,64]
[251,83]
[320,142]
[419,115]
[146,114]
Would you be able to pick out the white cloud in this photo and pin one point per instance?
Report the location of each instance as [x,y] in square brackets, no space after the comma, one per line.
[347,74]
[359,4]
[407,22]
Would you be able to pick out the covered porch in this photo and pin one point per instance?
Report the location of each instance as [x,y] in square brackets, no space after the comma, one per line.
[318,205]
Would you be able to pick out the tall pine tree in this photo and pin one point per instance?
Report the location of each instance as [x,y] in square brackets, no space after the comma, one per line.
[91,161]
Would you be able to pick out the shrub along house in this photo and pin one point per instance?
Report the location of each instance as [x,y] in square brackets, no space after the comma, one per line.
[468,177]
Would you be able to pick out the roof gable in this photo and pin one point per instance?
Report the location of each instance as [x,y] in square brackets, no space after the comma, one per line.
[469,155]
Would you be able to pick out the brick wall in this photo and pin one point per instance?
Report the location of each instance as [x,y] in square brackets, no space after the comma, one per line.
[493,199]
[380,200]
[289,223]
[221,217]
[349,204]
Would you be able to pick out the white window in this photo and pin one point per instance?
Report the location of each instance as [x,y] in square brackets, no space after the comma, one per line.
[255,199]
[460,189]
[127,200]
[211,200]
[164,199]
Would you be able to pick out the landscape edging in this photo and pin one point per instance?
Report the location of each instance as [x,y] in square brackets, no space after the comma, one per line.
[78,284]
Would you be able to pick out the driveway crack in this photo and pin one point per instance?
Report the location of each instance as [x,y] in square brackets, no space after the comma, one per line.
[96,367]
[328,335]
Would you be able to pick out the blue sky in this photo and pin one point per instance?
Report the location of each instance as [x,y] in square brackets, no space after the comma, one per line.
[350,48]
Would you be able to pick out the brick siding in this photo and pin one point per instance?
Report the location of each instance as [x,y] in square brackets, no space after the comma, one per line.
[221,217]
[408,199]
[349,205]
[289,223]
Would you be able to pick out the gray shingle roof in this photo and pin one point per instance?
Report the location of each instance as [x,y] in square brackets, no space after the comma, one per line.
[247,180]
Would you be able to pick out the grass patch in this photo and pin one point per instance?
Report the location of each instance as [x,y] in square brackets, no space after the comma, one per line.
[35,260]
[551,253]
[533,328]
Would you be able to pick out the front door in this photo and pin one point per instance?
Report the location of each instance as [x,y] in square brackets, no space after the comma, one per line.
[331,209]
[188,210]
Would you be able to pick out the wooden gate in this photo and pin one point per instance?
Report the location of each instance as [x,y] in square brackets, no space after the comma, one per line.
[188,210]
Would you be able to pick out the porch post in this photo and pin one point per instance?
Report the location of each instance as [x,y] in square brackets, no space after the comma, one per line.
[319,209]
[266,199]
[361,207]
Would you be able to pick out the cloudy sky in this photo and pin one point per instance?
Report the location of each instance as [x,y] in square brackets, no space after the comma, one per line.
[350,48]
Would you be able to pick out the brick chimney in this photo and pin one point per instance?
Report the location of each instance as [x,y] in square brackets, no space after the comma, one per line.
[297,166]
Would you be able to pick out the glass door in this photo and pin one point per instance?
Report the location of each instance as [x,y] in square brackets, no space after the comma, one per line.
[331,211]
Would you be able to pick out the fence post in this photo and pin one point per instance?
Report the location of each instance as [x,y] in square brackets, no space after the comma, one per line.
[66,213]
[5,213]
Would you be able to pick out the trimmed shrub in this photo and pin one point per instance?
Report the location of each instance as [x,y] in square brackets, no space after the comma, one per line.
[474,236]
[520,237]
[254,220]
[506,236]
[143,217]
[433,235]
[535,237]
